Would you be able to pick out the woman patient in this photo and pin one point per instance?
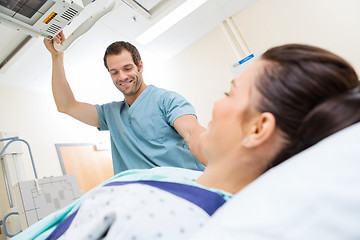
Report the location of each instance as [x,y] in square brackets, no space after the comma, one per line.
[255,127]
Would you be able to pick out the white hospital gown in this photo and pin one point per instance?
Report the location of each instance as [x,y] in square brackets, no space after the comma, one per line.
[134,212]
[143,210]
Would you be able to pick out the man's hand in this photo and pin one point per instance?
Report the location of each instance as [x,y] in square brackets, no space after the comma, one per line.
[60,38]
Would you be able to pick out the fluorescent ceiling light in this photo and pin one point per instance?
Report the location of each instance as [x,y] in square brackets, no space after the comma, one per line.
[169,20]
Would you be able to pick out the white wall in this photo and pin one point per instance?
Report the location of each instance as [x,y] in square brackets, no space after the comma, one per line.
[34,116]
[331,24]
[201,72]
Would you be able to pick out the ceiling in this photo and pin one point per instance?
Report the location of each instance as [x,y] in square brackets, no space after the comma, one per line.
[30,67]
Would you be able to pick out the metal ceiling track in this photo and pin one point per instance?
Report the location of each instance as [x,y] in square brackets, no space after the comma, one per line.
[13,53]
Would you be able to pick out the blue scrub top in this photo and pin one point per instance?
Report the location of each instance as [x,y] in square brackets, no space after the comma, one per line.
[143,136]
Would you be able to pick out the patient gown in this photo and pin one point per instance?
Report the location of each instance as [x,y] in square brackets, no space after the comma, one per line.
[158,203]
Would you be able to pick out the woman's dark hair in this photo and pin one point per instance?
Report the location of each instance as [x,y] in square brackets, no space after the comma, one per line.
[117,47]
[297,78]
[328,118]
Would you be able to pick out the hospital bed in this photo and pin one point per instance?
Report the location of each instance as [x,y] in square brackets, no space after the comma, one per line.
[313,195]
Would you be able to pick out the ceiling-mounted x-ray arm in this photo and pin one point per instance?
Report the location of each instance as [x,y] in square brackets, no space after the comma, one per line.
[48,18]
[86,25]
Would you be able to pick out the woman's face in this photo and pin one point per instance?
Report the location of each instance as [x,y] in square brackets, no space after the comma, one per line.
[232,115]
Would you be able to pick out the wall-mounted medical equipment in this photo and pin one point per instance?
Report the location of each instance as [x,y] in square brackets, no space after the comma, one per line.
[238,67]
[37,199]
[33,200]
[48,17]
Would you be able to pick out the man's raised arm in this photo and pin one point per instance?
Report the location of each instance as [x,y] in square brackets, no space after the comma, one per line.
[63,96]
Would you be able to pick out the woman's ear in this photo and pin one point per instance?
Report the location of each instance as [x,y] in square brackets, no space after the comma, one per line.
[261,130]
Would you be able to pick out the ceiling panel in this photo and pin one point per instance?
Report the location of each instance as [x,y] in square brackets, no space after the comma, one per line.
[149,4]
[10,39]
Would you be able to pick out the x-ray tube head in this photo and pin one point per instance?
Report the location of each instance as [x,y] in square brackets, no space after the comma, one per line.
[38,17]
